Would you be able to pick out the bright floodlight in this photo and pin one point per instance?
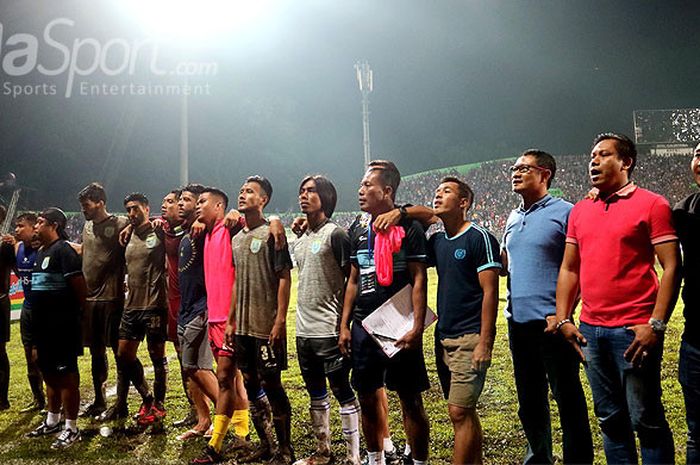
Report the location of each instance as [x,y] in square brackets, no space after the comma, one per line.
[188,21]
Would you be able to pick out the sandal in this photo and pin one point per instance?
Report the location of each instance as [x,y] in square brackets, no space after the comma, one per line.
[189,434]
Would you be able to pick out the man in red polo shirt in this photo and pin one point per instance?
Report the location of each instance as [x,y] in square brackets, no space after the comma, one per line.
[612,243]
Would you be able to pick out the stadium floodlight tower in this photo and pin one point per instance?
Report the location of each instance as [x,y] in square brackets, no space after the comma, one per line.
[364,80]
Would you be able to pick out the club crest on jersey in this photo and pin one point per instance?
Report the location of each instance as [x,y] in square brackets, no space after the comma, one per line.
[151,240]
[315,247]
[460,254]
[109,231]
[45,263]
[255,245]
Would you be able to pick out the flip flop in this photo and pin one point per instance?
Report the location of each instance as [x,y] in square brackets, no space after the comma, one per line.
[189,434]
[209,433]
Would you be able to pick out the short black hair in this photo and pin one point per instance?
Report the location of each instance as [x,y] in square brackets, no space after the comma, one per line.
[195,188]
[217,192]
[625,147]
[29,217]
[465,192]
[390,175]
[325,190]
[93,192]
[544,160]
[264,183]
[177,192]
[136,197]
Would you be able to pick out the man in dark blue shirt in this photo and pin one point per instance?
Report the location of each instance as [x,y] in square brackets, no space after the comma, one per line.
[468,264]
[58,293]
[197,358]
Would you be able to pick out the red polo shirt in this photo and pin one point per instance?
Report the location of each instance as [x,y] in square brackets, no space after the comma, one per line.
[616,239]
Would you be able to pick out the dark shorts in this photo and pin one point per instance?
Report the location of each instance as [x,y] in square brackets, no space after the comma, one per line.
[26,327]
[54,361]
[319,357]
[137,324]
[5,307]
[57,338]
[101,320]
[194,344]
[256,356]
[372,369]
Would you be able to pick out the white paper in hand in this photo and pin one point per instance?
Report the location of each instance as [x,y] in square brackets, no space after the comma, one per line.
[393,319]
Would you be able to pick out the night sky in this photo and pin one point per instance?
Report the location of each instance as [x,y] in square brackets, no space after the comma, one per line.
[454,82]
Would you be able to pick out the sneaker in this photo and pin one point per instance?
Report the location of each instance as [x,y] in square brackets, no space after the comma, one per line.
[393,458]
[92,410]
[158,411]
[406,459]
[113,413]
[143,412]
[316,459]
[33,406]
[189,420]
[209,456]
[44,429]
[66,439]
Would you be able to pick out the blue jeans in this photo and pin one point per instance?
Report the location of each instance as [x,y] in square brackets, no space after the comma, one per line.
[627,399]
[689,376]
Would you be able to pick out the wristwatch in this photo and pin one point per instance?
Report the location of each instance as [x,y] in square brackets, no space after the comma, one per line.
[659,326]
[403,212]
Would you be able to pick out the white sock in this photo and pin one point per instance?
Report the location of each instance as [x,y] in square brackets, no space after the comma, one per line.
[320,421]
[376,458]
[407,450]
[350,420]
[52,419]
[72,425]
[389,445]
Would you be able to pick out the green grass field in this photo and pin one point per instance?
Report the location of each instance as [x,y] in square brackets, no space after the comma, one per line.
[504,440]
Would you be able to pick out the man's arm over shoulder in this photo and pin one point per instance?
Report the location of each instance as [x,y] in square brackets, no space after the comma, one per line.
[340,244]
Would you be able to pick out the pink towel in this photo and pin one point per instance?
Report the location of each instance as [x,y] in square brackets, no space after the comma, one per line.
[386,245]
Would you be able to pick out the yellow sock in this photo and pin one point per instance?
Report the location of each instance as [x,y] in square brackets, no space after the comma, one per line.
[220,428]
[240,423]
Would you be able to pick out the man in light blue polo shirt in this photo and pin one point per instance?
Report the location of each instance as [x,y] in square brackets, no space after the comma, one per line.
[532,251]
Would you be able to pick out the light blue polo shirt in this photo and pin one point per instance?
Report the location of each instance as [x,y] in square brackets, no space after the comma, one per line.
[535,239]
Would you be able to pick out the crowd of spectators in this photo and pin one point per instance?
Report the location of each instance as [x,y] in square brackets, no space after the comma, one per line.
[666,175]
[493,201]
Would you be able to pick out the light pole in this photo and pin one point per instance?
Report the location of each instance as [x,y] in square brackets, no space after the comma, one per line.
[184,138]
[364,80]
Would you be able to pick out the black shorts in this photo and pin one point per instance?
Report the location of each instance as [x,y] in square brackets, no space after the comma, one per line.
[256,356]
[151,323]
[319,357]
[101,320]
[57,361]
[57,338]
[372,369]
[26,327]
[5,307]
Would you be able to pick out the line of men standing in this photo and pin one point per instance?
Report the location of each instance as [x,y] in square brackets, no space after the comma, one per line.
[604,247]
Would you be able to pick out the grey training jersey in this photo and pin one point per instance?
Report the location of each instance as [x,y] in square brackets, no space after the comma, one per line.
[321,256]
